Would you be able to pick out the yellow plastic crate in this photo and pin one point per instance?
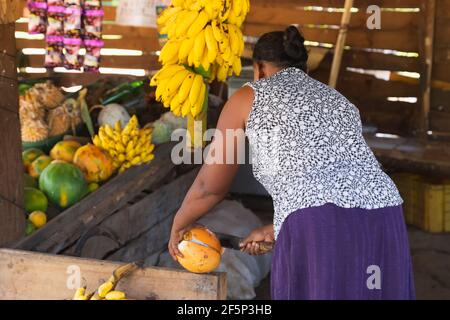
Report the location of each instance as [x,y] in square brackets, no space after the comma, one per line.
[427,204]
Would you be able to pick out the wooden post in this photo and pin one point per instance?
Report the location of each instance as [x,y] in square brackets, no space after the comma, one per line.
[426,56]
[339,48]
[12,218]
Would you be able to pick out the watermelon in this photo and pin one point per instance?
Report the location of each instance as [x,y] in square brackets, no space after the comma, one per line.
[35,200]
[63,183]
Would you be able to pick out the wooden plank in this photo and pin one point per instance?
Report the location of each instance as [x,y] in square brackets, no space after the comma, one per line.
[146,61]
[67,228]
[11,168]
[402,40]
[19,279]
[279,15]
[144,228]
[376,61]
[340,3]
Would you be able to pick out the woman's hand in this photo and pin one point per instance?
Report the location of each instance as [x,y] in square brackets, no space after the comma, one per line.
[176,235]
[250,244]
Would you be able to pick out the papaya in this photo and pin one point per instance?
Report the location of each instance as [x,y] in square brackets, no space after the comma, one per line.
[63,183]
[35,200]
[65,150]
[38,165]
[95,163]
[29,155]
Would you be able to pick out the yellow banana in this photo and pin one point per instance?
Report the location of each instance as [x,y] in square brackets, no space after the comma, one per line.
[185,49]
[120,148]
[184,24]
[169,53]
[199,48]
[175,103]
[186,108]
[161,88]
[80,294]
[167,14]
[165,72]
[185,88]
[198,106]
[176,81]
[205,61]
[217,30]
[234,39]
[222,72]
[225,12]
[178,3]
[200,22]
[115,295]
[148,158]
[211,44]
[237,66]
[236,7]
[105,288]
[196,88]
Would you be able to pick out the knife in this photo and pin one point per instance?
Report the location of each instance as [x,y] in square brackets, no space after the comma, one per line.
[232,242]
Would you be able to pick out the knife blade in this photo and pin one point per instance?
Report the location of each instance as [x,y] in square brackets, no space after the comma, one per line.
[232,242]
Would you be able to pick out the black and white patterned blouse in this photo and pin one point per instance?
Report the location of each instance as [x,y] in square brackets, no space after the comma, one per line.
[307,148]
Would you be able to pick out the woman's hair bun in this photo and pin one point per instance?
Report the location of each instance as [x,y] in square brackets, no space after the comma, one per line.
[293,43]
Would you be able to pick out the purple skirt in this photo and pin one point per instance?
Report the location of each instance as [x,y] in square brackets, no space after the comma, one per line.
[328,253]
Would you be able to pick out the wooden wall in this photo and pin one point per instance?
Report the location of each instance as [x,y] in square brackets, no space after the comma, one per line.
[401,33]
[440,97]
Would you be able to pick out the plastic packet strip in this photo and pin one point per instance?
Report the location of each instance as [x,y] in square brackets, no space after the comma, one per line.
[72,22]
[55,20]
[72,58]
[93,23]
[37,20]
[93,55]
[54,51]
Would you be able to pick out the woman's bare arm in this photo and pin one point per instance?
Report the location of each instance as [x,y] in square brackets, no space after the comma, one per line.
[214,180]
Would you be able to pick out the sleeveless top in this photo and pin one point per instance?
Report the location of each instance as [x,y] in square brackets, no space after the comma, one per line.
[307,148]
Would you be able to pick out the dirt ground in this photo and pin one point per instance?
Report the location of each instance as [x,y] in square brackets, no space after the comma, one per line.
[430,253]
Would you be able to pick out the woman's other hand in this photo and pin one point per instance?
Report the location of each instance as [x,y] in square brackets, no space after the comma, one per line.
[250,244]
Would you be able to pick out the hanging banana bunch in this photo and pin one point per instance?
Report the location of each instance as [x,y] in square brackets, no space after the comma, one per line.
[205,42]
[205,35]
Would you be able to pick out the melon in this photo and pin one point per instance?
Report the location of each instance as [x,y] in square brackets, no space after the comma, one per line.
[35,200]
[112,113]
[65,150]
[38,165]
[63,183]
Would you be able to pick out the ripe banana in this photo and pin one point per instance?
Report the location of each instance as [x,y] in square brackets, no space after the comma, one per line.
[200,23]
[115,295]
[199,47]
[183,24]
[211,44]
[196,88]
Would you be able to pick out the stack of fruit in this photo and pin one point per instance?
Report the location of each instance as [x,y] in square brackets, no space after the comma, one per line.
[205,42]
[64,177]
[127,147]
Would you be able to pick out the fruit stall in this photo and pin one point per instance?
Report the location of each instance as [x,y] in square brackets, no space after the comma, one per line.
[92,94]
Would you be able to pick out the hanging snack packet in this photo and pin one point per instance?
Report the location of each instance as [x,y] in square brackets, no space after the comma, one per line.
[55,21]
[92,56]
[72,22]
[93,20]
[92,4]
[58,3]
[54,51]
[72,59]
[37,20]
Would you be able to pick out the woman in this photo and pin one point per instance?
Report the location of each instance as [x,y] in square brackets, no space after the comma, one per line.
[338,221]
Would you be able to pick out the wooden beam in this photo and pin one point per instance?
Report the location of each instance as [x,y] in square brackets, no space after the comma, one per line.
[12,215]
[427,48]
[339,49]
[36,276]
